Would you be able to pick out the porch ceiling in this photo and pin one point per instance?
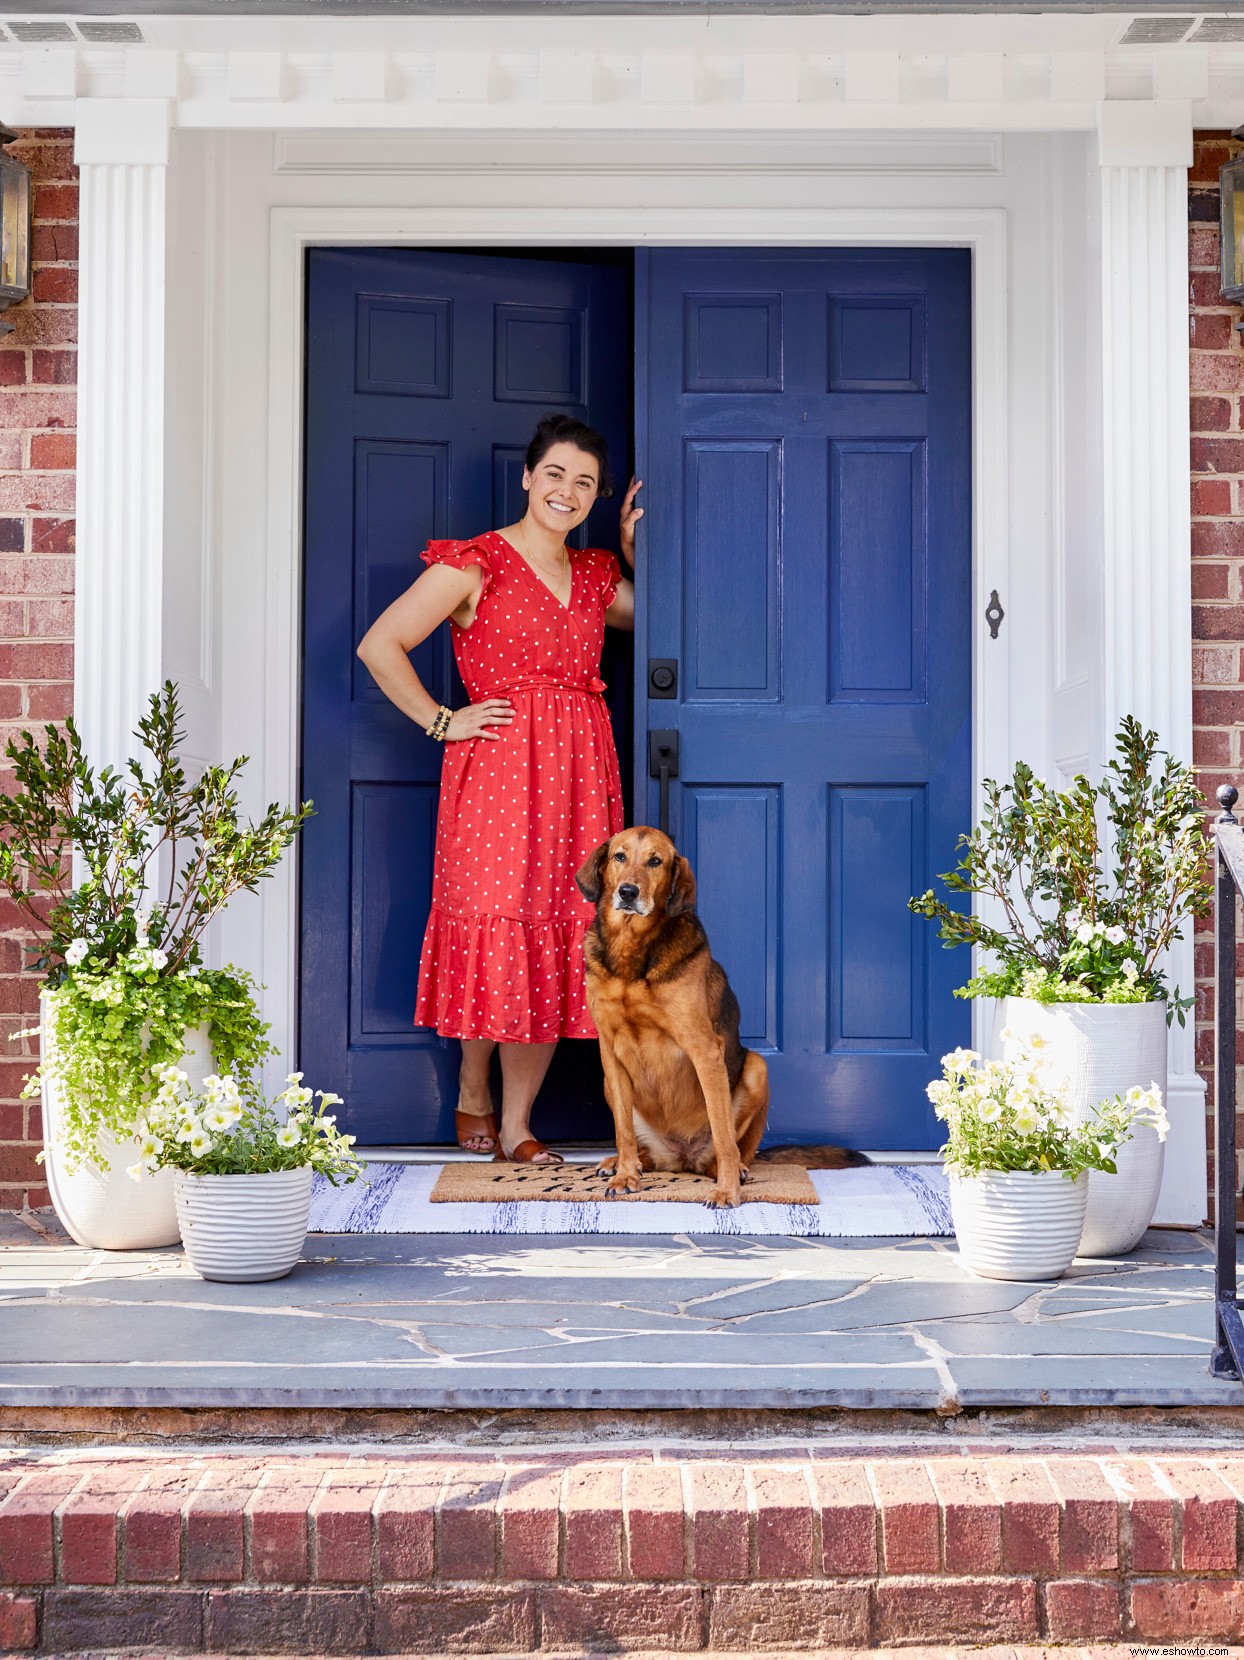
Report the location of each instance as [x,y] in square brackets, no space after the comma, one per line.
[598,8]
[469,1321]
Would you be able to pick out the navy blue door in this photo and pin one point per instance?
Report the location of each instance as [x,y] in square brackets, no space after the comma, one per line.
[804,437]
[426,374]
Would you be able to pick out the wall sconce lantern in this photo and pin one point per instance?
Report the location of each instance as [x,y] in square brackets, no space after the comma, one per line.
[14,229]
[1231,184]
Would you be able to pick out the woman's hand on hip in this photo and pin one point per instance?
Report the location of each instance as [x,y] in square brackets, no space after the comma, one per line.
[631,516]
[478,719]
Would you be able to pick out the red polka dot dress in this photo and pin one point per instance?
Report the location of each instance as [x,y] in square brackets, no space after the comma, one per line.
[503,953]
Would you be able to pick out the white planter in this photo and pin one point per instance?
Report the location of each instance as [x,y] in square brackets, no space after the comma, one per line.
[106,1209]
[249,1227]
[1098,1051]
[1018,1224]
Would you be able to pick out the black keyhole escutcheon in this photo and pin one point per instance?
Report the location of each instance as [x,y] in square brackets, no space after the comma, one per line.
[994,614]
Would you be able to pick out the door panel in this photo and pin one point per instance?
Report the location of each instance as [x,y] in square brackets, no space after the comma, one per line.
[805,442]
[426,375]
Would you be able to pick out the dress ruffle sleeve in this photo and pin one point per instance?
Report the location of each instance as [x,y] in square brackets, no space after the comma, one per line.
[461,555]
[610,576]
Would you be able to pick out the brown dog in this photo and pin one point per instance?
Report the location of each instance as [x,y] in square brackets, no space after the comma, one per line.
[685,1095]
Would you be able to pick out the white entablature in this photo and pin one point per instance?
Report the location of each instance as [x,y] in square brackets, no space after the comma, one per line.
[1001,73]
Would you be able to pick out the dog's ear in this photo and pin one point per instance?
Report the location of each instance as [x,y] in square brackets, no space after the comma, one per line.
[591,879]
[682,889]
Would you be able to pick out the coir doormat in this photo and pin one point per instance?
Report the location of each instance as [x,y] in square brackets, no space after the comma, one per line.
[577,1184]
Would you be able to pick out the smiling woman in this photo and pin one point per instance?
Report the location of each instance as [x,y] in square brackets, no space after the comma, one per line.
[530,782]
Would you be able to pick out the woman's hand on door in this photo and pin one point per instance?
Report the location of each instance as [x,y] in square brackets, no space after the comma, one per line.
[630,518]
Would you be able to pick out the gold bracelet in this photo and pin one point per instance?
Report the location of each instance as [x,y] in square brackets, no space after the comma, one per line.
[440,724]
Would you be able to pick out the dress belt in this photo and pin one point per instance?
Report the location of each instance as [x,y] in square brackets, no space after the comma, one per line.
[594,688]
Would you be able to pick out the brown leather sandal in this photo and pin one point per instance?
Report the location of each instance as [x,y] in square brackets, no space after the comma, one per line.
[527,1152]
[487,1130]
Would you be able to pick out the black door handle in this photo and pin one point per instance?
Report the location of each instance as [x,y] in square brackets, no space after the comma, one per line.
[663,764]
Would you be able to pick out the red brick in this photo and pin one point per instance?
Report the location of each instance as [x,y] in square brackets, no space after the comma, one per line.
[848,1516]
[1149,1516]
[1204,288]
[467,1518]
[1208,1534]
[13,367]
[1209,495]
[1080,1609]
[1209,455]
[18,1623]
[17,1164]
[53,536]
[49,702]
[1089,1515]
[36,660]
[60,449]
[1029,1516]
[12,1123]
[784,1523]
[653,1516]
[1211,332]
[12,535]
[1208,157]
[1210,414]
[529,1515]
[1204,1609]
[1215,708]
[720,1548]
[592,1505]
[166,1621]
[1217,539]
[1209,372]
[604,1618]
[1211,581]
[405,1519]
[342,1527]
[47,158]
[53,244]
[434,1619]
[44,326]
[805,1619]
[54,285]
[280,1533]
[909,1519]
[1215,666]
[971,1517]
[88,1539]
[214,1543]
[151,1543]
[956,1610]
[50,618]
[55,202]
[248,1620]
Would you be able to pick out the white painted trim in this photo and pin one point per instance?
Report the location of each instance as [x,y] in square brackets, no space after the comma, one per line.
[293,230]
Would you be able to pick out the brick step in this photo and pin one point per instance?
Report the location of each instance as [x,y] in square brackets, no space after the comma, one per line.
[710,1550]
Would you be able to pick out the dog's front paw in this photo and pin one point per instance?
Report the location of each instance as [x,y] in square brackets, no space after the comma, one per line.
[724,1198]
[606,1167]
[622,1181]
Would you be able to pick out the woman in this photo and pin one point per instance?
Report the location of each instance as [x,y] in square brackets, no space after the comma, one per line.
[530,781]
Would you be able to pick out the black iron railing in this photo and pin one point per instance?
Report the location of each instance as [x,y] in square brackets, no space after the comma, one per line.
[1228,1359]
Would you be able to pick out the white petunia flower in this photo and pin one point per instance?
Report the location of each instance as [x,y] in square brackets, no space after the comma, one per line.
[1084,933]
[76,952]
[989,1110]
[217,1119]
[1115,935]
[159,960]
[135,1171]
[960,1060]
[288,1136]
[1026,1118]
[200,1144]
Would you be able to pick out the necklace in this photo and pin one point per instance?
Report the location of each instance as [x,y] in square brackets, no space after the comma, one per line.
[561,575]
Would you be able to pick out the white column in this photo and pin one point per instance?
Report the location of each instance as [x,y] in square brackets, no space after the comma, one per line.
[1145,150]
[122,151]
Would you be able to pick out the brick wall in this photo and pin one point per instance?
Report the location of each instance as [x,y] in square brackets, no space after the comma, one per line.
[1217,375]
[38,376]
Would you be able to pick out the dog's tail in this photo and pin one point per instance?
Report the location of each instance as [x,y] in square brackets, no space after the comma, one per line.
[813,1158]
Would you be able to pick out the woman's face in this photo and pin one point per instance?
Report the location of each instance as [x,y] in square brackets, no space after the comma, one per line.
[561,488]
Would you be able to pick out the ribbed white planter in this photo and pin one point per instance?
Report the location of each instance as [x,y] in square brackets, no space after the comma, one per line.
[249,1227]
[106,1209]
[1018,1224]
[1098,1051]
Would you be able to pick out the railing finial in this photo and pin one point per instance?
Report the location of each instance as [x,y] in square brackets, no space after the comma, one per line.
[1228,795]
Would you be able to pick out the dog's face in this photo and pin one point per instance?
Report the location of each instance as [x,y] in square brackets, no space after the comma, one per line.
[638,872]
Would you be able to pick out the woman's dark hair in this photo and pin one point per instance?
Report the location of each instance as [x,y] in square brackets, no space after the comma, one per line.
[564,429]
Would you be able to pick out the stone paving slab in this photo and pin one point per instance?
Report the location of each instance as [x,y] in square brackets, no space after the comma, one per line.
[462,1321]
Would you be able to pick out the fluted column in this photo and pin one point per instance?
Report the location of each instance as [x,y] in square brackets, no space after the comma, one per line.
[1145,152]
[122,152]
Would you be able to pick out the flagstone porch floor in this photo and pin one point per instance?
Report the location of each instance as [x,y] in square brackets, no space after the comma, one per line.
[471,1322]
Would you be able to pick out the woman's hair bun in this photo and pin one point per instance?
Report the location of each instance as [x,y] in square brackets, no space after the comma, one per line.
[565,429]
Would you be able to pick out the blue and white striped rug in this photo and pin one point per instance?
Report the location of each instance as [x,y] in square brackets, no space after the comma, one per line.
[876,1201]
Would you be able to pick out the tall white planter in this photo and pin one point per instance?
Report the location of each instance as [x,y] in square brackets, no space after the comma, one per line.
[245,1227]
[106,1209]
[1097,1051]
[1018,1224]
